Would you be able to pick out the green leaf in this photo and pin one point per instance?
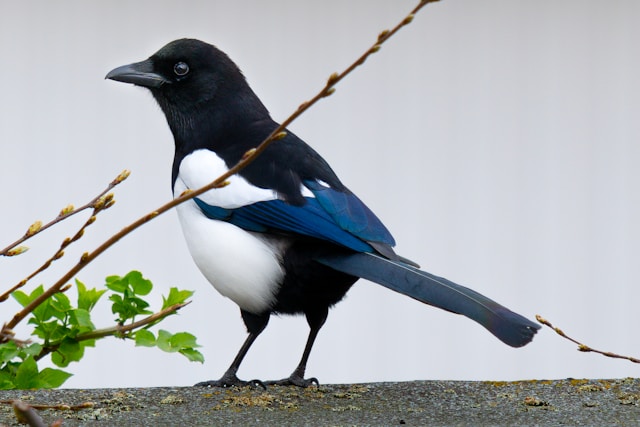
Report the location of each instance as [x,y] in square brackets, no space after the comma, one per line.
[81,318]
[32,349]
[50,331]
[22,298]
[145,338]
[87,299]
[25,299]
[164,343]
[140,285]
[43,312]
[60,302]
[27,373]
[116,284]
[183,340]
[6,381]
[68,351]
[8,352]
[175,296]
[52,378]
[193,355]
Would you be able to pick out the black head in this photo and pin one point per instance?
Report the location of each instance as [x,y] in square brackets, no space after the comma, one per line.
[194,82]
[185,71]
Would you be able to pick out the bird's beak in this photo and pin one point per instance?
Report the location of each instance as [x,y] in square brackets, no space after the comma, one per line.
[140,73]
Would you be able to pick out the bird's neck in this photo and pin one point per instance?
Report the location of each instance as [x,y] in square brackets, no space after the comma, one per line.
[229,130]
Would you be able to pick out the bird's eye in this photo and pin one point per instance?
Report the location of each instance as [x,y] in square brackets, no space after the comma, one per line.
[181,69]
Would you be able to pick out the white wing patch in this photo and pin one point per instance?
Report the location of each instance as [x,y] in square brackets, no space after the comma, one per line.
[203,166]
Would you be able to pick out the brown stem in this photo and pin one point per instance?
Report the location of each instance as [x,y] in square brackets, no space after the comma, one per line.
[64,214]
[583,347]
[116,330]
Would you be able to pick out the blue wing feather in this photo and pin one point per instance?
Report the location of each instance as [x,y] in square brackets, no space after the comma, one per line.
[311,220]
[335,216]
[350,213]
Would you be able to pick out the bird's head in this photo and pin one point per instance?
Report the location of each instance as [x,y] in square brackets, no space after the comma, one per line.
[188,77]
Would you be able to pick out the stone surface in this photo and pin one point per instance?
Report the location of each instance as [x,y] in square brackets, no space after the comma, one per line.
[548,403]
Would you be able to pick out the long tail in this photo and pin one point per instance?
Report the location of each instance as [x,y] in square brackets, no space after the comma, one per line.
[511,328]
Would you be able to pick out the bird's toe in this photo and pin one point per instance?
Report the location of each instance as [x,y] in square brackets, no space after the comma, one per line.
[295,380]
[231,381]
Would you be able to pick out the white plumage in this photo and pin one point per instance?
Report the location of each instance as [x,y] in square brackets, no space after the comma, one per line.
[241,265]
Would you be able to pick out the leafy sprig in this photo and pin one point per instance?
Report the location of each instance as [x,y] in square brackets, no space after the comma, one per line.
[65,330]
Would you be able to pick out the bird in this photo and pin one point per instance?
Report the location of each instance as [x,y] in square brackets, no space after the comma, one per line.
[285,236]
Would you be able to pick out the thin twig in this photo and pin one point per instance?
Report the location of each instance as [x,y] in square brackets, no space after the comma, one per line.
[249,157]
[583,347]
[59,406]
[118,330]
[99,204]
[65,213]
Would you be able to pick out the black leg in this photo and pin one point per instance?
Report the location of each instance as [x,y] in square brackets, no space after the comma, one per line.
[255,325]
[316,320]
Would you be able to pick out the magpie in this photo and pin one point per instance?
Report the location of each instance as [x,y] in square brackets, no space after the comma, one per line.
[285,236]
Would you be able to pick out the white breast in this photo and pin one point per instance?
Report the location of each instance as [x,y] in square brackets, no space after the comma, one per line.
[242,266]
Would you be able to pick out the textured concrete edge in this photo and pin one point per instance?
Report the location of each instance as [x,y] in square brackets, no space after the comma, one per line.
[542,402]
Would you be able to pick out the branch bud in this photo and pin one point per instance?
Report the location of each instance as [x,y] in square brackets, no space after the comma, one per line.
[123,175]
[382,35]
[17,251]
[280,135]
[109,204]
[66,210]
[78,235]
[248,153]
[34,228]
[102,201]
[333,78]
[329,92]
[408,20]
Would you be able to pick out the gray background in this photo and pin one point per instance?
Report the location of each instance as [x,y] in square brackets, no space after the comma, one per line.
[498,140]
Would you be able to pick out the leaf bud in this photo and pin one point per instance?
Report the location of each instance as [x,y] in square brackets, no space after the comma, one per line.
[66,210]
[279,135]
[17,250]
[333,78]
[34,228]
[248,153]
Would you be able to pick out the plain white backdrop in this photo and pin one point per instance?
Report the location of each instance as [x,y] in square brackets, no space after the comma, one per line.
[497,139]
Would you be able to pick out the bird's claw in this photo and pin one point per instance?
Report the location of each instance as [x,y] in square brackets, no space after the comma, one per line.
[296,381]
[232,381]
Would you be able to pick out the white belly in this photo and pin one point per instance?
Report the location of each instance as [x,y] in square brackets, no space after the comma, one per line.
[240,265]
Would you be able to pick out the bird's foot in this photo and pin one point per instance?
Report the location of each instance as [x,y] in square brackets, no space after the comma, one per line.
[295,380]
[231,381]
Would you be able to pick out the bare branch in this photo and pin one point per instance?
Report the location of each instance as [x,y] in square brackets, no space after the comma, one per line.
[99,203]
[583,347]
[66,212]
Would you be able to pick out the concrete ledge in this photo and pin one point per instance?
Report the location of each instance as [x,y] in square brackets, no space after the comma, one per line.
[562,402]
